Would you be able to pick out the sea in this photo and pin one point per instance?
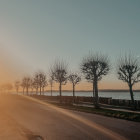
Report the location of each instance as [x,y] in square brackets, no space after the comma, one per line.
[111,94]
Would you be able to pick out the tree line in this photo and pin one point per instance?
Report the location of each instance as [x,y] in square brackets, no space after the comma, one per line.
[93,67]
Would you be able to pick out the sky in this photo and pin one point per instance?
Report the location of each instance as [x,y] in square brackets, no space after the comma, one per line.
[34,33]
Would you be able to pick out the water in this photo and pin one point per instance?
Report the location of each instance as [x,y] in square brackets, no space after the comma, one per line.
[113,95]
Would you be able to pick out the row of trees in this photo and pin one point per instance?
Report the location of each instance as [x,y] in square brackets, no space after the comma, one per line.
[38,82]
[93,67]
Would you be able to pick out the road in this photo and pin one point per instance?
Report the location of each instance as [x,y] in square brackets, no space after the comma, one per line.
[26,118]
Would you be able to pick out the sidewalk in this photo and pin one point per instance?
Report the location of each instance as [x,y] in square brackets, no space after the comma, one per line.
[104,106]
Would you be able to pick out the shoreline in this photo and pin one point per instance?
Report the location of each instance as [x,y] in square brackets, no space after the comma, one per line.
[92,91]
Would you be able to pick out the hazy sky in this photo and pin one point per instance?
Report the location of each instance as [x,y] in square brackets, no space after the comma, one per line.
[33,33]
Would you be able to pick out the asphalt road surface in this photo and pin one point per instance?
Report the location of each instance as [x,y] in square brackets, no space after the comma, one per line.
[26,118]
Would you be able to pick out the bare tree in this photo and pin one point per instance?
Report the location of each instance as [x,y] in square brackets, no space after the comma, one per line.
[32,85]
[36,82]
[129,72]
[26,83]
[74,78]
[44,83]
[51,79]
[51,84]
[40,81]
[94,67]
[59,74]
[23,85]
[17,85]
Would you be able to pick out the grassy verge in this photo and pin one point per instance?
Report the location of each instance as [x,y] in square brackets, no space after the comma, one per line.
[105,112]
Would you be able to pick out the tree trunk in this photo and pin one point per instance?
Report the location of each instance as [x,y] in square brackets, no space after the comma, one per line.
[40,90]
[73,93]
[36,91]
[23,91]
[43,90]
[60,92]
[17,90]
[51,90]
[96,94]
[27,90]
[32,91]
[132,96]
[93,92]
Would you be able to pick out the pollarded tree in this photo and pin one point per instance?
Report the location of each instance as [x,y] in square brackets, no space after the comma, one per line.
[44,83]
[59,74]
[74,78]
[51,82]
[26,83]
[23,85]
[129,72]
[36,82]
[32,85]
[94,67]
[40,81]
[17,85]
